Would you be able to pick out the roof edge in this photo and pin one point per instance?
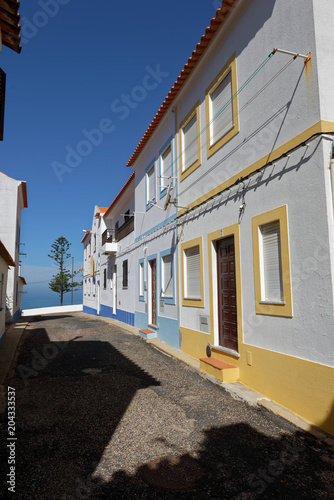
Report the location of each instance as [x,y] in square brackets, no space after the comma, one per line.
[117,197]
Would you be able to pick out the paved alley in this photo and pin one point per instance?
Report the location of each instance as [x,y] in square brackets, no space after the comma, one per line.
[102,414]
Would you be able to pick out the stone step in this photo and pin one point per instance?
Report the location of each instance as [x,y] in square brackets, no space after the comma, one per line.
[147,334]
[219,369]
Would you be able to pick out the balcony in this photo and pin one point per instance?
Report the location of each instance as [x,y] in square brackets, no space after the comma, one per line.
[125,228]
[110,248]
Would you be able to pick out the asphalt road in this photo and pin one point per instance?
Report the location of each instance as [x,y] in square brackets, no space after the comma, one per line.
[101,414]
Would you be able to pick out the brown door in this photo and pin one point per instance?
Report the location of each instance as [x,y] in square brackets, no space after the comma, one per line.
[227,300]
[154,290]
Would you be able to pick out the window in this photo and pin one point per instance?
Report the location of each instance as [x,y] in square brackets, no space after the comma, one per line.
[190,146]
[104,279]
[192,273]
[141,278]
[222,108]
[150,186]
[94,286]
[167,287]
[125,273]
[166,168]
[272,263]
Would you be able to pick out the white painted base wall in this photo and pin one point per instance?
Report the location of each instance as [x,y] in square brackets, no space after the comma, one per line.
[52,310]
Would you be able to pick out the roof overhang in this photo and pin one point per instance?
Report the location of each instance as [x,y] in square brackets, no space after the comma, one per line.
[119,195]
[9,24]
[23,280]
[86,235]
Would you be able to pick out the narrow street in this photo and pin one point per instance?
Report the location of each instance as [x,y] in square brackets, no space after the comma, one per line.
[96,404]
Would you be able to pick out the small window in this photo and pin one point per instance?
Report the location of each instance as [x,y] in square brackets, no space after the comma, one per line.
[150,186]
[166,167]
[104,279]
[221,104]
[272,278]
[141,279]
[125,273]
[193,274]
[167,276]
[190,145]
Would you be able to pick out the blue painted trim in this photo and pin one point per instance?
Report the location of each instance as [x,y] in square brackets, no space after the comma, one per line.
[158,226]
[168,330]
[17,315]
[152,164]
[89,310]
[141,297]
[154,256]
[169,251]
[123,316]
[165,146]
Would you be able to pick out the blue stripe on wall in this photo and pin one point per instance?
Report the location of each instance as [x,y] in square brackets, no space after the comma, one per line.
[107,312]
[168,330]
[2,337]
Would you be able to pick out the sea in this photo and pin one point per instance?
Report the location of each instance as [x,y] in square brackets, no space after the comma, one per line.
[40,295]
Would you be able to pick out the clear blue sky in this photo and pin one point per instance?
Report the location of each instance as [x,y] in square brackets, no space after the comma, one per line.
[74,65]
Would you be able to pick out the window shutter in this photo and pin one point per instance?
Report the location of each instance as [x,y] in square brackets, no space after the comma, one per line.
[167,287]
[125,273]
[193,273]
[150,185]
[190,142]
[272,266]
[166,170]
[221,114]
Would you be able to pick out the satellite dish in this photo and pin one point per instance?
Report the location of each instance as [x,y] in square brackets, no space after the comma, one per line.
[168,196]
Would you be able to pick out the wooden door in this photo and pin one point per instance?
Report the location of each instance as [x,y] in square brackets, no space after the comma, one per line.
[227,298]
[154,291]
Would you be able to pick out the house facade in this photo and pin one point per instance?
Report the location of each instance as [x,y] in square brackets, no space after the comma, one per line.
[6,261]
[234,241]
[13,199]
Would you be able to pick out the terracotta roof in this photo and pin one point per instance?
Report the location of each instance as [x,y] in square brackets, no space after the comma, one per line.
[23,280]
[6,255]
[103,209]
[9,24]
[221,16]
[24,193]
[87,234]
[117,197]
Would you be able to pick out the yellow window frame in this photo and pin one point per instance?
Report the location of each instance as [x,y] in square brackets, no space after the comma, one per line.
[229,68]
[196,163]
[185,246]
[283,308]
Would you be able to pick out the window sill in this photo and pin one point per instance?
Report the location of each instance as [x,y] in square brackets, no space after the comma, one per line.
[272,302]
[226,350]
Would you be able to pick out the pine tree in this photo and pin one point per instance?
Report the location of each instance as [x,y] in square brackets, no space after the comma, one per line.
[61,282]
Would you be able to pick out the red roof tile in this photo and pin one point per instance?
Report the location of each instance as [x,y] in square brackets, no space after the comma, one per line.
[23,280]
[221,16]
[87,234]
[6,255]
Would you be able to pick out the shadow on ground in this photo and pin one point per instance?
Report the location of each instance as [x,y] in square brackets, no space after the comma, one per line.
[70,405]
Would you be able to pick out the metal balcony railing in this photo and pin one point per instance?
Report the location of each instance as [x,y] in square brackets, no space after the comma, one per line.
[125,228]
[107,236]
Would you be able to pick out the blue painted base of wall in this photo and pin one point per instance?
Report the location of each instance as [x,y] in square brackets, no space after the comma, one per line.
[107,312]
[2,337]
[168,330]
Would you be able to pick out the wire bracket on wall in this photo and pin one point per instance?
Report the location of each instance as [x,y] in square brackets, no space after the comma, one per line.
[306,57]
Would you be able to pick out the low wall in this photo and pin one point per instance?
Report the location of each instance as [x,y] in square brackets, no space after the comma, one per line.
[52,310]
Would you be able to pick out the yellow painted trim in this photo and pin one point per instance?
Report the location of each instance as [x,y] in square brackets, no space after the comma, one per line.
[184,246]
[230,67]
[285,309]
[194,342]
[323,127]
[196,163]
[233,230]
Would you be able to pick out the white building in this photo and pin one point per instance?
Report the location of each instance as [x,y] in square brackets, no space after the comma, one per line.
[13,199]
[6,261]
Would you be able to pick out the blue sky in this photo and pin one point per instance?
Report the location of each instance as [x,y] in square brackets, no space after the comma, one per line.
[79,62]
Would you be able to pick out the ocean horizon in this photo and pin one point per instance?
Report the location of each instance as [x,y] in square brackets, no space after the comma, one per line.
[40,295]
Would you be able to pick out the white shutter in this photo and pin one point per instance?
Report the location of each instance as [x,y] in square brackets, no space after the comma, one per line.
[193,273]
[167,285]
[189,133]
[166,164]
[272,266]
[221,110]
[150,184]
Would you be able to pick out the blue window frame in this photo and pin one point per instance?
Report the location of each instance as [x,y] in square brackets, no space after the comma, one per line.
[167,273]
[141,279]
[166,166]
